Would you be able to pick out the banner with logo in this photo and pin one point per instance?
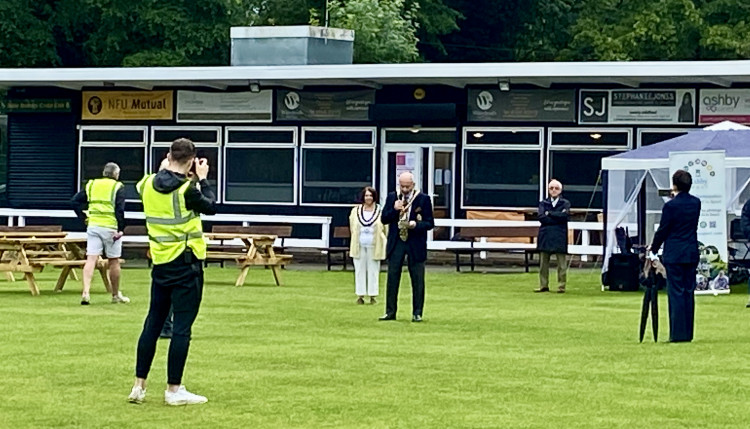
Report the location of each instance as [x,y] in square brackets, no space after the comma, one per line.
[324,105]
[195,106]
[717,105]
[35,105]
[486,105]
[637,106]
[709,184]
[126,105]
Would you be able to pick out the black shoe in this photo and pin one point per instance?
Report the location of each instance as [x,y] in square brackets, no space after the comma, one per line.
[416,318]
[387,316]
[541,289]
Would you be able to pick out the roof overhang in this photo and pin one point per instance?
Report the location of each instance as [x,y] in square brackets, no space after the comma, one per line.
[543,75]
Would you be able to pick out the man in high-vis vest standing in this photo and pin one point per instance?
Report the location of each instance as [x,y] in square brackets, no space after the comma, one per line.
[172,204]
[105,221]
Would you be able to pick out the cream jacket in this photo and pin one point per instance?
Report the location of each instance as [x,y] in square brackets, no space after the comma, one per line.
[379,239]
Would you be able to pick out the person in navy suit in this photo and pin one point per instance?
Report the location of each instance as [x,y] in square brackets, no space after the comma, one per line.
[409,216]
[678,231]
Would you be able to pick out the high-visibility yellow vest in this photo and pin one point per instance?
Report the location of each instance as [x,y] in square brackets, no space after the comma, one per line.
[101,196]
[171,226]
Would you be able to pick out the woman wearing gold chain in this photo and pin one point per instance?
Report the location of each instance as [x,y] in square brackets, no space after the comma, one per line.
[367,245]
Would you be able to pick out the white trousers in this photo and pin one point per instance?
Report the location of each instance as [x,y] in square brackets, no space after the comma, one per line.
[366,272]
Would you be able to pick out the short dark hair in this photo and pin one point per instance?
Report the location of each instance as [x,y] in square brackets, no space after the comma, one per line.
[182,150]
[364,191]
[682,180]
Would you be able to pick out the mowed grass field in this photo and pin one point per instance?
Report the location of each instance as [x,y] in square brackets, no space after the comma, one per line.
[490,354]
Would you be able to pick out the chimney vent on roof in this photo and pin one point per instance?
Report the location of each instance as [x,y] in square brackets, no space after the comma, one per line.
[291,45]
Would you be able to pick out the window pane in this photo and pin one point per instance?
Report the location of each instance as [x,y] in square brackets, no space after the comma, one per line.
[125,136]
[210,153]
[3,153]
[651,137]
[196,136]
[260,175]
[335,176]
[590,138]
[501,178]
[578,172]
[265,136]
[131,161]
[347,136]
[503,137]
[423,136]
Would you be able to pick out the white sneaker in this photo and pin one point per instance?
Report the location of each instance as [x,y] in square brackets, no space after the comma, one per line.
[183,397]
[120,298]
[137,395]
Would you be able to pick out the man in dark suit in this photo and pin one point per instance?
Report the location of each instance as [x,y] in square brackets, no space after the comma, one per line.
[678,231]
[745,224]
[553,236]
[408,214]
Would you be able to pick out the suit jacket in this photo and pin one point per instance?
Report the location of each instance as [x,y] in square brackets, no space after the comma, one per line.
[678,230]
[553,233]
[421,212]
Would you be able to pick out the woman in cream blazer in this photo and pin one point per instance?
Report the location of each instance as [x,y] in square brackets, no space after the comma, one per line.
[367,244]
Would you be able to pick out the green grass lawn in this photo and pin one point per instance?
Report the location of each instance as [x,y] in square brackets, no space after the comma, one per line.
[490,354]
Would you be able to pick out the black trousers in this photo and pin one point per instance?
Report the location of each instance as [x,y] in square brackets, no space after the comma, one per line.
[179,285]
[416,273]
[680,290]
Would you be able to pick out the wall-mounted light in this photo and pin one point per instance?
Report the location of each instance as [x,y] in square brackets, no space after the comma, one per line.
[503,84]
[478,135]
[254,87]
[415,128]
[108,84]
[595,136]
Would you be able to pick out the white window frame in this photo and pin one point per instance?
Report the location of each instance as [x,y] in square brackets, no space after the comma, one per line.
[217,145]
[501,147]
[551,147]
[260,145]
[361,146]
[104,144]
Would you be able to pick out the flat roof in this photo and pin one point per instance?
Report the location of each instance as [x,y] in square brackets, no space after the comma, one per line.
[543,74]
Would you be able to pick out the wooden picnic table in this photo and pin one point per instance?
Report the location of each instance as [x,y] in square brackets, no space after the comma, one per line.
[30,255]
[257,249]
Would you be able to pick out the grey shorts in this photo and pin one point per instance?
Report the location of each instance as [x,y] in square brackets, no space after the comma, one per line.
[99,239]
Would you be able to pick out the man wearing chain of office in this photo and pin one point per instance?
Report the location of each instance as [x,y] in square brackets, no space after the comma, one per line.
[408,213]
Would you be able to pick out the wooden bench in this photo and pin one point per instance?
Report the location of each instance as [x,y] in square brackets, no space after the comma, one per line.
[31,228]
[257,250]
[342,233]
[141,246]
[473,233]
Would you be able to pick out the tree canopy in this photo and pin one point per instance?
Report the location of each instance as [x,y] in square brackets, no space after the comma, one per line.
[85,33]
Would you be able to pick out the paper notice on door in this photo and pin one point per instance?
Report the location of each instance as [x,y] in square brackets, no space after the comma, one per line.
[438,177]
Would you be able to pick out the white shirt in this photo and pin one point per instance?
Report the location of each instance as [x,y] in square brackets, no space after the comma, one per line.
[367,233]
[554,201]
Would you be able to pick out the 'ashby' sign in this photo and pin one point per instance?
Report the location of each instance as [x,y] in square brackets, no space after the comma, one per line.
[126,105]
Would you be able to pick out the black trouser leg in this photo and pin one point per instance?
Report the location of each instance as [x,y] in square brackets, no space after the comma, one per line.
[167,329]
[416,273]
[186,301]
[161,301]
[680,290]
[395,262]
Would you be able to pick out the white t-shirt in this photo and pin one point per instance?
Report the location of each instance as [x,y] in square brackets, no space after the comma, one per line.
[367,233]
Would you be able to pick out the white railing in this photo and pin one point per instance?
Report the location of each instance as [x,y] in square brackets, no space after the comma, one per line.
[18,217]
[584,248]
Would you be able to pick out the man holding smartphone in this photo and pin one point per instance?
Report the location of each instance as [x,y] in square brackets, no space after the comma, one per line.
[172,203]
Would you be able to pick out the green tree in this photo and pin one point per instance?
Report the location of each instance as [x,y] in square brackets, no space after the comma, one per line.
[26,38]
[546,29]
[726,31]
[609,30]
[385,31]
